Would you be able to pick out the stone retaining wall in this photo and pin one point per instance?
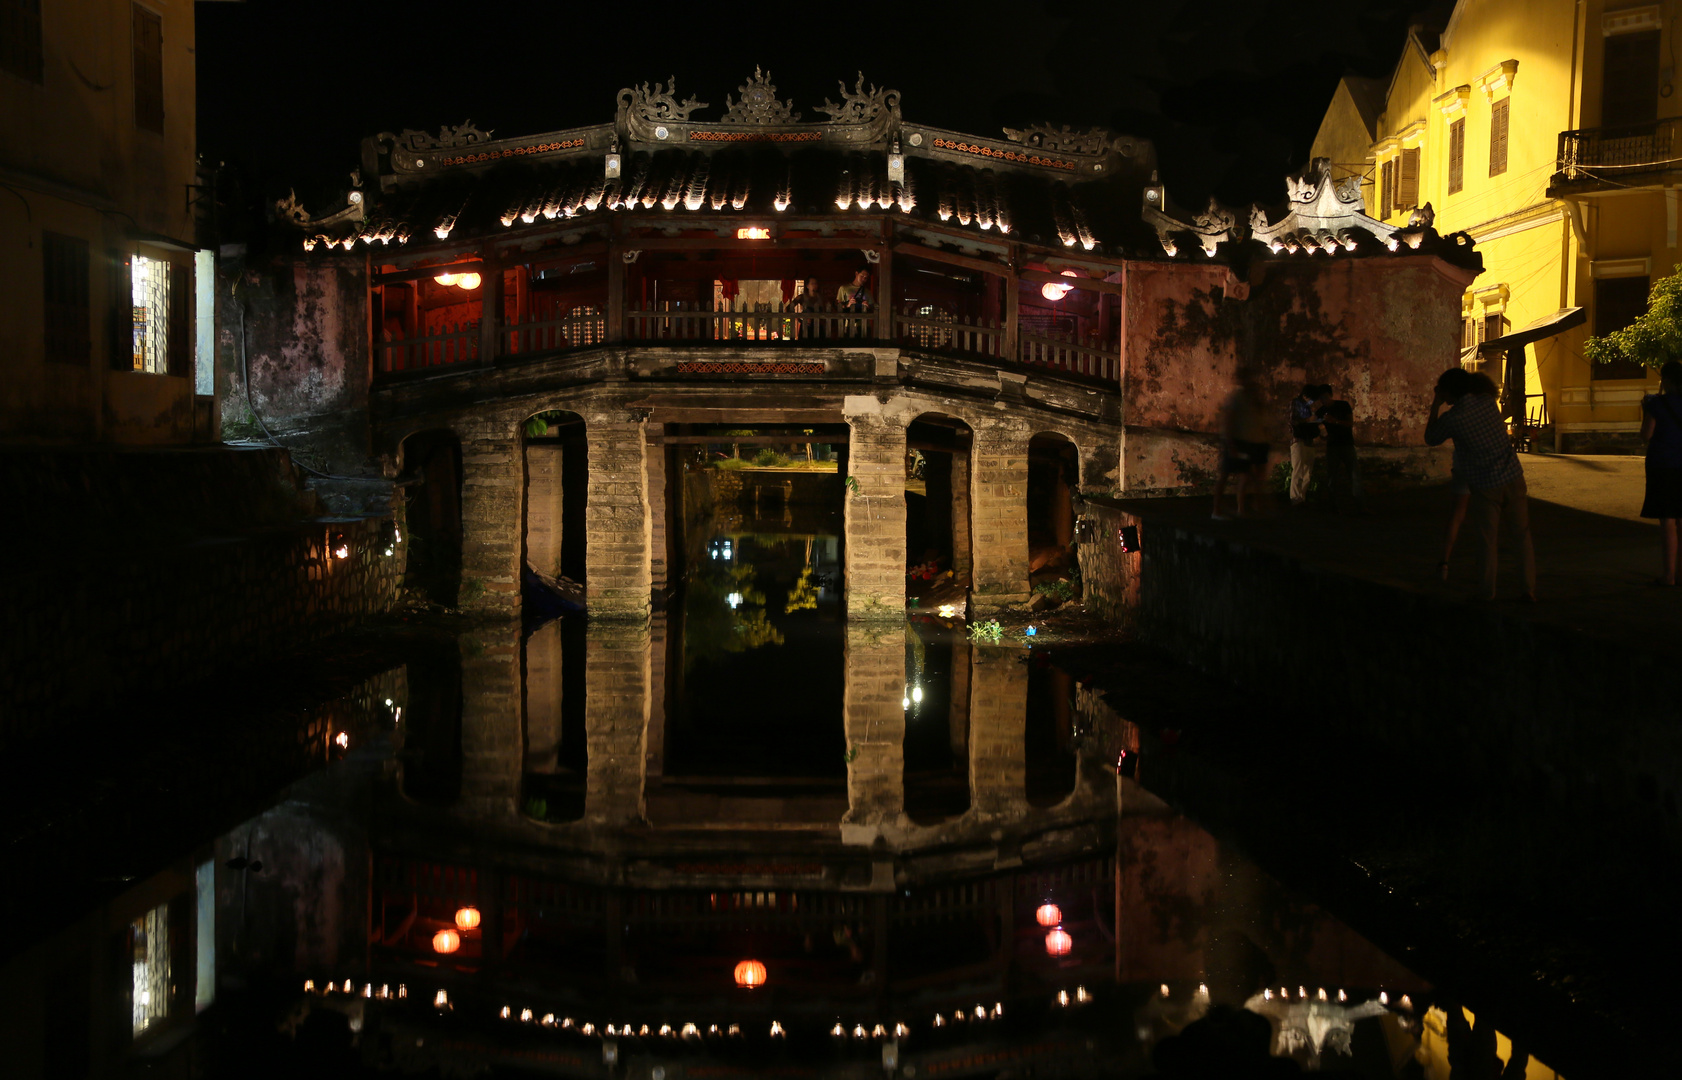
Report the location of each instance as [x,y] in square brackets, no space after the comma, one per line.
[1574,720]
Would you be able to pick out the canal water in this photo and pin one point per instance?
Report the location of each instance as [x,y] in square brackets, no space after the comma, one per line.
[749,838]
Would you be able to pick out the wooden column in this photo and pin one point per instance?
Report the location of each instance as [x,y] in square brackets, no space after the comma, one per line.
[885,291]
[1012,294]
[615,289]
[490,310]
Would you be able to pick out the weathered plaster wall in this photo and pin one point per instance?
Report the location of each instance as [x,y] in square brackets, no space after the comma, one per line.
[306,345]
[1379,330]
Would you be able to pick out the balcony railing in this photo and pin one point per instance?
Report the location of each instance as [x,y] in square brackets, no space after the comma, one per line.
[914,328]
[1621,150]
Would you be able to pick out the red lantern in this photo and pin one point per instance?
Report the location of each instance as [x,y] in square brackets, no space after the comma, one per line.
[1058,942]
[467,918]
[1049,914]
[446,941]
[750,973]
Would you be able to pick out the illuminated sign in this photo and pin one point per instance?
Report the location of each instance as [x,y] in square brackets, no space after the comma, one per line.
[753,232]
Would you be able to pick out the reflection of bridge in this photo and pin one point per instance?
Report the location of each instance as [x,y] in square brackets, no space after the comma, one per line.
[629,399]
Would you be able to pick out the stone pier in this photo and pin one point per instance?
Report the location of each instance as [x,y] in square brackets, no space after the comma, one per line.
[491,739]
[544,496]
[874,666]
[492,509]
[616,713]
[543,698]
[617,523]
[998,726]
[1000,496]
[963,563]
[875,512]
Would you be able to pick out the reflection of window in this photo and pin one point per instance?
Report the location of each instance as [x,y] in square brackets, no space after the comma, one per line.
[588,326]
[64,288]
[149,951]
[20,38]
[151,314]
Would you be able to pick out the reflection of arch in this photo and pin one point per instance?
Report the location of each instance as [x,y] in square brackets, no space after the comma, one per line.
[431,463]
[1049,762]
[556,758]
[937,726]
[939,448]
[1053,479]
[556,481]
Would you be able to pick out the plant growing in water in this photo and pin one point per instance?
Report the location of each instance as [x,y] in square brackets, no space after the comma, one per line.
[1057,590]
[986,630]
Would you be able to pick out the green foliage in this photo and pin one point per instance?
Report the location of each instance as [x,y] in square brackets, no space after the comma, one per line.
[987,630]
[1057,590]
[537,808]
[769,458]
[1652,339]
[852,752]
[730,464]
[537,427]
[853,484]
[804,595]
[472,589]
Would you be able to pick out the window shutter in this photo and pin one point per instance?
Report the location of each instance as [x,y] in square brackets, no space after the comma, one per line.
[1387,184]
[1407,181]
[64,281]
[148,70]
[1456,155]
[180,359]
[120,327]
[1498,137]
[20,39]
[1630,80]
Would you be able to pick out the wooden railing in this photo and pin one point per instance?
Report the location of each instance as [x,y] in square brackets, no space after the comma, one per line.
[1066,354]
[456,344]
[703,326]
[562,332]
[945,334]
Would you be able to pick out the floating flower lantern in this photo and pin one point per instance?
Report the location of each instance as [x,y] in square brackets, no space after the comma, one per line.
[467,918]
[1058,942]
[446,941]
[750,974]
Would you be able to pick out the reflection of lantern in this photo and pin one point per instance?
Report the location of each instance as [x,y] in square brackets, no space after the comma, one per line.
[1049,915]
[1058,942]
[445,280]
[750,973]
[467,918]
[446,941]
[1053,291]
[468,281]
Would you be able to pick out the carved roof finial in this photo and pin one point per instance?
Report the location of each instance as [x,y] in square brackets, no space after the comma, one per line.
[759,104]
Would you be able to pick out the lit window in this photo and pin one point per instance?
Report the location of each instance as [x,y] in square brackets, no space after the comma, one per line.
[150,279]
[149,950]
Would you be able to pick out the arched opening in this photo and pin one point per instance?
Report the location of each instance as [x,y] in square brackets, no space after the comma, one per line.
[1048,752]
[556,758]
[556,479]
[431,484]
[1053,479]
[937,722]
[937,511]
[430,724]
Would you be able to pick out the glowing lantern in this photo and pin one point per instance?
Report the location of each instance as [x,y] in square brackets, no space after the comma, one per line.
[1049,915]
[468,281]
[446,941]
[446,279]
[750,973]
[1053,291]
[1058,943]
[467,918]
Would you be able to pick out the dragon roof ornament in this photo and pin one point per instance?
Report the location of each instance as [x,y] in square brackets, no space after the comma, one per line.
[861,106]
[1063,140]
[759,104]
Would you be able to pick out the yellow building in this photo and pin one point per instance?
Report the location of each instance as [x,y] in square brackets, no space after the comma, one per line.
[1545,129]
[99,339]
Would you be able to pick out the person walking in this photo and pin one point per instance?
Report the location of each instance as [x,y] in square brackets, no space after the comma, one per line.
[1343,476]
[1305,428]
[1661,428]
[1484,459]
[1244,446]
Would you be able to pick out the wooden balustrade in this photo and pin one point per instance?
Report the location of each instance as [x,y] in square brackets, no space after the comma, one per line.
[1065,353]
[574,330]
[946,334]
[747,326]
[454,344]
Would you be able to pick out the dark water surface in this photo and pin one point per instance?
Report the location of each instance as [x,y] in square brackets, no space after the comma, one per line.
[561,849]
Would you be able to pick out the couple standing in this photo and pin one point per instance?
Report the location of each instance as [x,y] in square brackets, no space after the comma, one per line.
[1244,444]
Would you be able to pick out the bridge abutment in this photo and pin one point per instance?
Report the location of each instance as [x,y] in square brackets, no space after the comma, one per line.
[492,512]
[618,521]
[875,511]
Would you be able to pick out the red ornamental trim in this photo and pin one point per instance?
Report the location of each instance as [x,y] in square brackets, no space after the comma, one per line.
[755,136]
[737,367]
[518,151]
[1004,155]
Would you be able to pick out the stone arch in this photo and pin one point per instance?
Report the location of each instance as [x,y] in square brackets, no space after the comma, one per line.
[939,448]
[555,484]
[430,475]
[1054,463]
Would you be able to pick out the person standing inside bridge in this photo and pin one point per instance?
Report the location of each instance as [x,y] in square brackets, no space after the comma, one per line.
[1244,446]
[1305,428]
[855,300]
[1485,461]
[1661,427]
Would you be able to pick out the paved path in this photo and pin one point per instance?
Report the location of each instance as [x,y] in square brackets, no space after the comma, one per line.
[1594,558]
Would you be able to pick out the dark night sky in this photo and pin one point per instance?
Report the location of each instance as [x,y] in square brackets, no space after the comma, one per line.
[1231,91]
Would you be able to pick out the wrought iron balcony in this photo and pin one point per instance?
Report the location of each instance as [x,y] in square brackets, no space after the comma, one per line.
[1592,157]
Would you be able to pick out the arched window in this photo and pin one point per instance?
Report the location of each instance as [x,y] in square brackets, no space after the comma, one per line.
[932,336]
[588,327]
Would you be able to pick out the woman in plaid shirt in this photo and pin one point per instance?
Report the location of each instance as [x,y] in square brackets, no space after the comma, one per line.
[1485,461]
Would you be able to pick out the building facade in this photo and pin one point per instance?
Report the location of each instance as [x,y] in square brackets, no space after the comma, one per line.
[100,336]
[1544,131]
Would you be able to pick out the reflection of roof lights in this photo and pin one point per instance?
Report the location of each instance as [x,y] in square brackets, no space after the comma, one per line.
[1063,997]
[917,693]
[838,1031]
[734,600]
[905,703]
[1082,995]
